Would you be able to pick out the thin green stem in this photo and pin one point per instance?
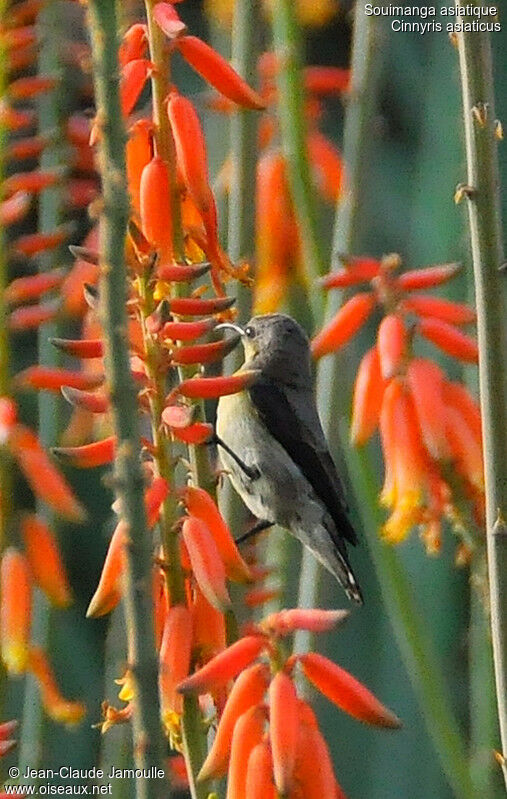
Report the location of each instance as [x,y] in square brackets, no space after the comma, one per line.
[291,109]
[241,209]
[483,717]
[243,135]
[49,28]
[128,471]
[411,632]
[487,254]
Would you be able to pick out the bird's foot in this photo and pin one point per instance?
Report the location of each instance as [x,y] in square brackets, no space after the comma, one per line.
[251,471]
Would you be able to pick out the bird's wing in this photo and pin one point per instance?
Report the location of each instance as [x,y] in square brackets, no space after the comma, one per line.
[299,432]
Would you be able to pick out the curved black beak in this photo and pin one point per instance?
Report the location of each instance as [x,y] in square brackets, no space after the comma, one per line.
[230,326]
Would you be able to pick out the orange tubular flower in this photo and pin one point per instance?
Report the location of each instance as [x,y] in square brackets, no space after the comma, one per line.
[13,120]
[345,691]
[465,447]
[450,340]
[168,20]
[427,278]
[218,72]
[455,313]
[358,270]
[61,710]
[273,236]
[426,381]
[204,353]
[213,387]
[391,344]
[224,666]
[187,331]
[259,774]
[15,208]
[94,403]
[369,390]
[248,733]
[44,560]
[88,456]
[199,504]
[175,652]
[15,610]
[197,433]
[409,466]
[133,78]
[82,273]
[315,620]
[283,729]
[30,288]
[155,496]
[53,379]
[138,155]
[155,207]
[344,324]
[80,348]
[27,147]
[35,243]
[460,399]
[27,87]
[195,306]
[45,480]
[209,628]
[326,80]
[134,44]
[29,317]
[31,182]
[326,164]
[109,589]
[190,150]
[247,691]
[207,565]
[314,777]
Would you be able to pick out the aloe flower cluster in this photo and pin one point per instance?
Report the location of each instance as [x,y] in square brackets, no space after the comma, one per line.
[429,425]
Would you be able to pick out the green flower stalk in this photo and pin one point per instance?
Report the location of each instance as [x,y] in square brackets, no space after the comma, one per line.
[129,481]
[481,192]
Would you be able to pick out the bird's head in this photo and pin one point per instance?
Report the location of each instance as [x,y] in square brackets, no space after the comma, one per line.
[277,346]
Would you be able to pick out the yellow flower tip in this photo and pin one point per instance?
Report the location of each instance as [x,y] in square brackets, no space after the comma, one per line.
[406,514]
[171,722]
[162,290]
[316,13]
[220,11]
[67,712]
[387,498]
[127,691]
[15,657]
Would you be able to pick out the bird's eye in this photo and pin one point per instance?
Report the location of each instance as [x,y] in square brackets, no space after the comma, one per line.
[249,331]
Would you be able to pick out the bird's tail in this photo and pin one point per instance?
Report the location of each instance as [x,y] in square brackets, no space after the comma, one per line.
[333,556]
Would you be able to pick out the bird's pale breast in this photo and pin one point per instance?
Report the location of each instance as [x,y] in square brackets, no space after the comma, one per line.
[281,488]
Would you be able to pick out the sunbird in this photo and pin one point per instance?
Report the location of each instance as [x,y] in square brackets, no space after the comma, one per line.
[271,444]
